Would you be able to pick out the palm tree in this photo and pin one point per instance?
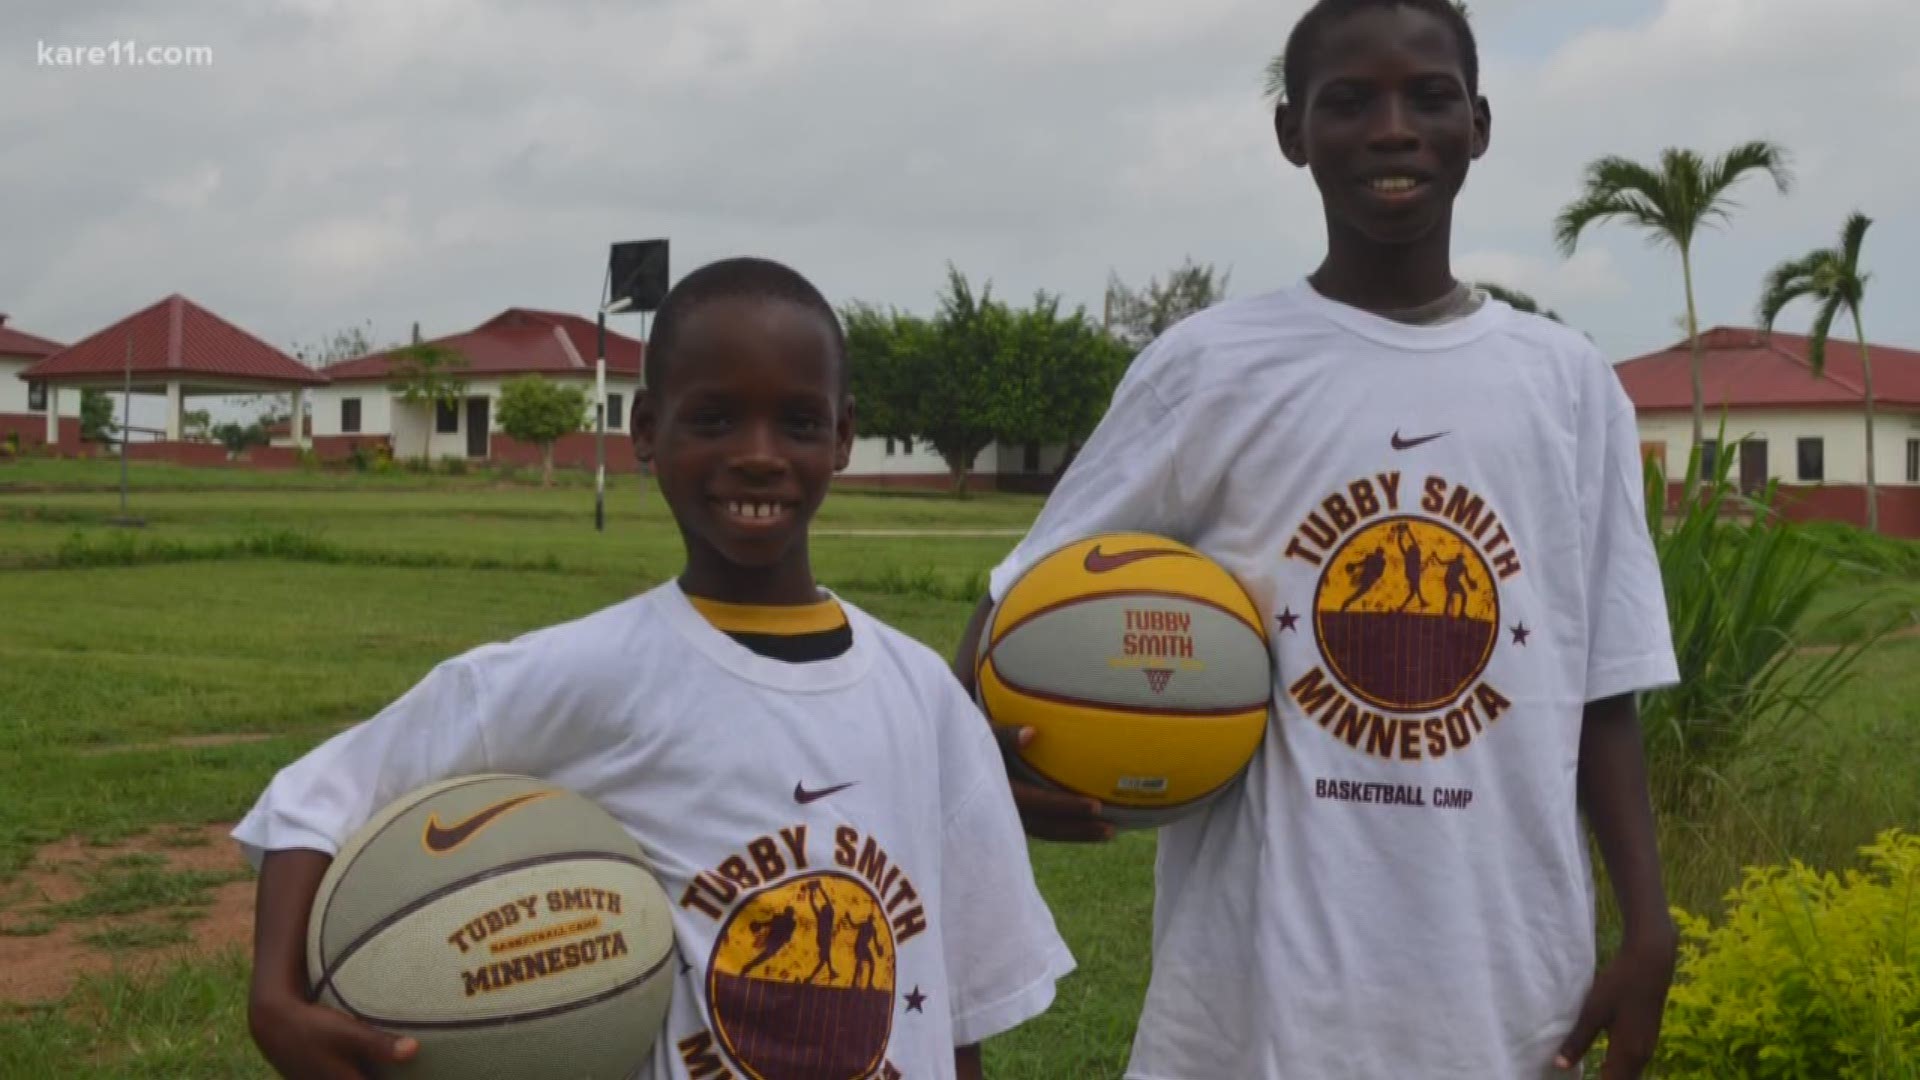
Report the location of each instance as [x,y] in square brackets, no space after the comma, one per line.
[1670,204]
[1832,278]
[1277,67]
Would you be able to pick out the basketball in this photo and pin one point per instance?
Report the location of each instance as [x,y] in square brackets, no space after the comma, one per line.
[509,925]
[1142,666]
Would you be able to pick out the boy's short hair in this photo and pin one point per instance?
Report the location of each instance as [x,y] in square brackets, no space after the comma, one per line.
[1305,39]
[737,278]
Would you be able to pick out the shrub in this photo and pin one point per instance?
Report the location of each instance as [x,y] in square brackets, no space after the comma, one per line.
[1810,975]
[1739,584]
[453,466]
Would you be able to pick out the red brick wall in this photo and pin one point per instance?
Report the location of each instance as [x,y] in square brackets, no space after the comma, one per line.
[179,453]
[339,447]
[31,428]
[1899,506]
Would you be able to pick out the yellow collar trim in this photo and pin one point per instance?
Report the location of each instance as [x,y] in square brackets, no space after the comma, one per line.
[783,619]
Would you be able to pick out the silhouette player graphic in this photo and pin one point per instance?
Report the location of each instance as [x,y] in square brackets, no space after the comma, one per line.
[1413,559]
[864,939]
[770,936]
[1366,573]
[1458,582]
[823,928]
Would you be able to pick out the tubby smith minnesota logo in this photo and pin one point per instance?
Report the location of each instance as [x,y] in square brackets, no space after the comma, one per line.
[1406,615]
[804,981]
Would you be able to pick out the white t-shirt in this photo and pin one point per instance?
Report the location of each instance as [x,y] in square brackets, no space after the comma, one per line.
[701,748]
[1443,527]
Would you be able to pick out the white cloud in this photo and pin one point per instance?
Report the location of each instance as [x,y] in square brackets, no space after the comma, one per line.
[347,160]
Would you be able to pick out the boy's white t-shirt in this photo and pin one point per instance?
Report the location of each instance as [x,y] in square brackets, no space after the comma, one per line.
[703,749]
[1443,527]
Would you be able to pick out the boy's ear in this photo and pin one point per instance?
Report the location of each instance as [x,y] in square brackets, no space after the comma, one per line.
[644,424]
[843,436]
[1482,126]
[1287,119]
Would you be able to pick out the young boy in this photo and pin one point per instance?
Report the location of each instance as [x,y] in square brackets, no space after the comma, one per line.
[737,702]
[1400,887]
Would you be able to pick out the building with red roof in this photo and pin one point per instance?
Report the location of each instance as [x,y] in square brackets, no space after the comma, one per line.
[25,406]
[359,401]
[1805,432]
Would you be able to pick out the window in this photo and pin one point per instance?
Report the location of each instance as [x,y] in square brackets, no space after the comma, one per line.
[889,446]
[446,417]
[36,396]
[350,416]
[1030,461]
[906,446]
[1813,459]
[1913,461]
[614,412]
[1709,457]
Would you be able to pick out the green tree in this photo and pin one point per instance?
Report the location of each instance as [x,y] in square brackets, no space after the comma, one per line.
[196,423]
[877,343]
[1062,371]
[1670,204]
[427,376]
[96,416]
[960,374]
[1831,278]
[238,437]
[540,411]
[1137,318]
[1516,299]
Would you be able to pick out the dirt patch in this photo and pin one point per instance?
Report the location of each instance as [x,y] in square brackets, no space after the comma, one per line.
[43,954]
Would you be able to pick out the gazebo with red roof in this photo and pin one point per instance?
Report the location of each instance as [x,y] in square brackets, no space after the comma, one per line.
[178,349]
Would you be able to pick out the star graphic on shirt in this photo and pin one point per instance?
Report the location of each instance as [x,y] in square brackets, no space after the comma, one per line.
[1288,620]
[1521,634]
[915,1000]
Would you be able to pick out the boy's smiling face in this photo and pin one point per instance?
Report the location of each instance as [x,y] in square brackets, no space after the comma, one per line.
[745,434]
[1387,124]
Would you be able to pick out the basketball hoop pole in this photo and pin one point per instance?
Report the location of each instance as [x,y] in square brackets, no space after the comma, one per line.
[600,412]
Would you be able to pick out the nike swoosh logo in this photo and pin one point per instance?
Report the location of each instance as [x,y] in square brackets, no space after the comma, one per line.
[441,839]
[802,796]
[1408,444]
[1100,562]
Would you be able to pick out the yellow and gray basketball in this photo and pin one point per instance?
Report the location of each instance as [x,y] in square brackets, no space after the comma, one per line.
[1143,668]
[509,925]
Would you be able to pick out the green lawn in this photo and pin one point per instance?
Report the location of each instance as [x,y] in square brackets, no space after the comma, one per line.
[306,601]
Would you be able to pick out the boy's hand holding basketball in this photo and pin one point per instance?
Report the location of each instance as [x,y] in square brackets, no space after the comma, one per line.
[1047,814]
[303,1041]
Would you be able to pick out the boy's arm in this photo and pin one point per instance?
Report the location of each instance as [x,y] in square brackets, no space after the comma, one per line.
[1045,814]
[298,1038]
[966,1063]
[1629,996]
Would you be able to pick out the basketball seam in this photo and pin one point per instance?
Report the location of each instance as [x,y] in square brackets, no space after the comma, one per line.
[1136,710]
[326,976]
[327,908]
[1000,635]
[514,1018]
[1108,800]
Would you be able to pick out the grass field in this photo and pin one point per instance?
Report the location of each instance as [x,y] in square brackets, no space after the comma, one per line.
[151,681]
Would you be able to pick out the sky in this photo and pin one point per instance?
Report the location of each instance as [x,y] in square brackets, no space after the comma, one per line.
[370,163]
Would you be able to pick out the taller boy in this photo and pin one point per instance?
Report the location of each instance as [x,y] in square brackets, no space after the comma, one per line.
[1437,502]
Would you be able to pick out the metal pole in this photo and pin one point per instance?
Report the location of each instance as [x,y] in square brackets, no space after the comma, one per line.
[600,435]
[126,423]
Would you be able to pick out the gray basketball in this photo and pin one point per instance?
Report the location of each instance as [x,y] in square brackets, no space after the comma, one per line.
[510,925]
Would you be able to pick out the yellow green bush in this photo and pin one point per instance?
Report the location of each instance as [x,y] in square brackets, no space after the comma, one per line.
[1810,975]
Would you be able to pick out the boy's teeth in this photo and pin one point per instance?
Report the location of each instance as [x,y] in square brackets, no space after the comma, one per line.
[752,510]
[1396,183]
